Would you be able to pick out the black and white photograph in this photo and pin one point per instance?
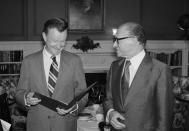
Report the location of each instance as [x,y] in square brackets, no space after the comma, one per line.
[94,65]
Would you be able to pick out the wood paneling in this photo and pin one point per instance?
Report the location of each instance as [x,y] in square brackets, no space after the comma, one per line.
[23,19]
[40,11]
[12,23]
[159,18]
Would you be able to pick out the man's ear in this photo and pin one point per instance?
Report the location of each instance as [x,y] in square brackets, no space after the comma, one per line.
[44,36]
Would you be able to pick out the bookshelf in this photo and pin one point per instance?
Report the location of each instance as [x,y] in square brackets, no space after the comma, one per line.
[10,64]
[174,53]
[173,59]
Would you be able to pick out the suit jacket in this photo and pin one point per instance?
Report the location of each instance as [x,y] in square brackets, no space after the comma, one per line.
[70,82]
[148,104]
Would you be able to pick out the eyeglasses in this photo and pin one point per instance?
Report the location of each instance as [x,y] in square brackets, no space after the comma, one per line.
[115,39]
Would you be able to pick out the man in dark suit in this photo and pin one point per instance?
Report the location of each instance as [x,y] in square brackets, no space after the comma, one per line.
[54,73]
[138,95]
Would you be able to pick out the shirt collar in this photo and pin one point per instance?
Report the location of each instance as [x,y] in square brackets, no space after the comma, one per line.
[137,59]
[48,55]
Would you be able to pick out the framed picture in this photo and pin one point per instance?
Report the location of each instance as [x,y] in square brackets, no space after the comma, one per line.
[86,15]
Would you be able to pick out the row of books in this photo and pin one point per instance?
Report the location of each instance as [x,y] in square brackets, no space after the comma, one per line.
[10,68]
[176,72]
[11,56]
[172,59]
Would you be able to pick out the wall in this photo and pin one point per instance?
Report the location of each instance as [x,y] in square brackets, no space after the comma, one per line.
[23,19]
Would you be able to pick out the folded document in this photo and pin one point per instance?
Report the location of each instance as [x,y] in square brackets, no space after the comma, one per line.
[53,104]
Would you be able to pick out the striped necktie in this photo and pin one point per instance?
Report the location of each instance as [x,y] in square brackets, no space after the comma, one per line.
[53,75]
[125,79]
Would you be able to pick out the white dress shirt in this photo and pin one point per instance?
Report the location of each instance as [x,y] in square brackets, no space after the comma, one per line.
[135,63]
[47,61]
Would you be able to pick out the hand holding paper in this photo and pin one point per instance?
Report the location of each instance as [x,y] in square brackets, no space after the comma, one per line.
[54,104]
[31,100]
[64,112]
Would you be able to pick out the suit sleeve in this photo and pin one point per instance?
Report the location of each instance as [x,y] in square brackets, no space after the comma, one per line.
[108,103]
[164,100]
[81,83]
[23,87]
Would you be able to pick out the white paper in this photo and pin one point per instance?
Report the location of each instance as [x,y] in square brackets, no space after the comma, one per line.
[5,125]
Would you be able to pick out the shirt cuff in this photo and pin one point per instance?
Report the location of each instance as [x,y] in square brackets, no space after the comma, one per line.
[108,115]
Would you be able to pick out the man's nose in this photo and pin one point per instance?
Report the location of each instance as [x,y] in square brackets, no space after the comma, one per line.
[115,45]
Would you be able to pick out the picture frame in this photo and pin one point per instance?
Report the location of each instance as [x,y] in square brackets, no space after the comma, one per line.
[85,15]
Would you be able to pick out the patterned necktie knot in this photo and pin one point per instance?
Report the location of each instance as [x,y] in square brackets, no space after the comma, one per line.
[54,59]
[128,63]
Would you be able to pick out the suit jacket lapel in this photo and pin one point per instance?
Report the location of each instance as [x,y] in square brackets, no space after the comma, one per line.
[117,78]
[41,77]
[140,77]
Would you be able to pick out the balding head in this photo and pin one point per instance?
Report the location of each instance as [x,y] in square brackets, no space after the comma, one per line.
[134,29]
[129,40]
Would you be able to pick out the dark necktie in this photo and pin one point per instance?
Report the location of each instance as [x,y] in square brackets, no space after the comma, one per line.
[125,79]
[53,75]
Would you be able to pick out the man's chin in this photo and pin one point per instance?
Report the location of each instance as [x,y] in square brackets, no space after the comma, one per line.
[59,50]
[119,54]
[56,52]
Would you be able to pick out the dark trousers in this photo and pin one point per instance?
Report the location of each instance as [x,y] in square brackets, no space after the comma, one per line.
[4,110]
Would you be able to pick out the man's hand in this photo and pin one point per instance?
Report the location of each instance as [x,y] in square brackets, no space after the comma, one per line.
[115,118]
[64,112]
[30,100]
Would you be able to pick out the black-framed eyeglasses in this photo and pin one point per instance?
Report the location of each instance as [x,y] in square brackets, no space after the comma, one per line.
[115,39]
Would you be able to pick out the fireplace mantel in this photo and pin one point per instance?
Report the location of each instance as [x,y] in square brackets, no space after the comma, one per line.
[99,59]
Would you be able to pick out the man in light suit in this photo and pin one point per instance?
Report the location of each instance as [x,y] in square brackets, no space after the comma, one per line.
[147,103]
[35,77]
